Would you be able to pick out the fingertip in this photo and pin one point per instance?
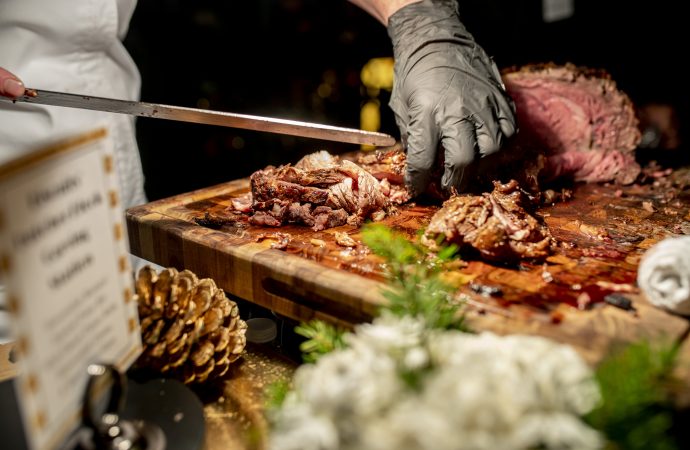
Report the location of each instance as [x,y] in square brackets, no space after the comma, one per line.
[508,127]
[447,179]
[416,181]
[454,168]
[488,145]
[460,146]
[452,176]
[420,163]
[12,87]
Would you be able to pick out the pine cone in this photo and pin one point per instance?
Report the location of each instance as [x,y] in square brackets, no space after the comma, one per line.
[190,330]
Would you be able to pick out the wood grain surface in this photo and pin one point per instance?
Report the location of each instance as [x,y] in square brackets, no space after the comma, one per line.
[603,231]
[7,368]
[235,410]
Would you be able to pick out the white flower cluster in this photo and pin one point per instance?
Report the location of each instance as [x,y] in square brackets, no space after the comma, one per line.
[472,391]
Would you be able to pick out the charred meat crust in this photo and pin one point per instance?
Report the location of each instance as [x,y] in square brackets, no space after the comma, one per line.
[320,191]
[494,224]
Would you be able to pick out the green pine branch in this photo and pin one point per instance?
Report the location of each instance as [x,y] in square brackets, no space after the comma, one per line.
[415,286]
[276,393]
[636,412]
[322,338]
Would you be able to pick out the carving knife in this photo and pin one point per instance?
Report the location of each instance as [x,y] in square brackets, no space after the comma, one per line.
[204,116]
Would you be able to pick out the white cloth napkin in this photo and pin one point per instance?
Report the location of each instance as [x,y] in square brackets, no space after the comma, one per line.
[664,274]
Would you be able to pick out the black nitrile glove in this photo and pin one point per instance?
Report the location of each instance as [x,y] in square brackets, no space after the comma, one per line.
[446,90]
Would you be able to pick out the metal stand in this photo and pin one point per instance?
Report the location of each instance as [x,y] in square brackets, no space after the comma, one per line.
[120,414]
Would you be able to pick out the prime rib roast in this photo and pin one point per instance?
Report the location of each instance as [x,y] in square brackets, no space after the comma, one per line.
[586,128]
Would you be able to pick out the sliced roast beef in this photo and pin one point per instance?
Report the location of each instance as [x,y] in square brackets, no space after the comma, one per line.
[496,225]
[320,191]
[388,164]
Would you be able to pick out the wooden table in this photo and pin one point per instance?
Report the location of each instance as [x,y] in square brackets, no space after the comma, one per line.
[605,231]
[7,367]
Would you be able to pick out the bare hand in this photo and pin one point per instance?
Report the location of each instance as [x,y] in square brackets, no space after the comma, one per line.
[10,85]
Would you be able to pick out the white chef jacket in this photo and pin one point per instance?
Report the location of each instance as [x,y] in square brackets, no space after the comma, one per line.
[73,46]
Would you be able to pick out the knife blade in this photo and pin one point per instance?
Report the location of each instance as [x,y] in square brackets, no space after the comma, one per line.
[205,116]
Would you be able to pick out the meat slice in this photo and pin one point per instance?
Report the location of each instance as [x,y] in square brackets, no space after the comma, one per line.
[320,191]
[495,225]
[242,203]
[388,166]
[270,184]
[318,160]
[578,118]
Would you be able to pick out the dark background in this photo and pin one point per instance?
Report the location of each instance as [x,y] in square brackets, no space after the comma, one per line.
[269,57]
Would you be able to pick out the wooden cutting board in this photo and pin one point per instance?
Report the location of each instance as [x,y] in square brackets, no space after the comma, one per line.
[603,230]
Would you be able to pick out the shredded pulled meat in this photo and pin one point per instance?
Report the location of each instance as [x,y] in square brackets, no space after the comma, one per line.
[321,191]
[494,224]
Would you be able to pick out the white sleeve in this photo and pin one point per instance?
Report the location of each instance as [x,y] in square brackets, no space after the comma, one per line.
[72,46]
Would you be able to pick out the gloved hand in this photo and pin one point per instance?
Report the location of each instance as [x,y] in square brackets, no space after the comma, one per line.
[446,89]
